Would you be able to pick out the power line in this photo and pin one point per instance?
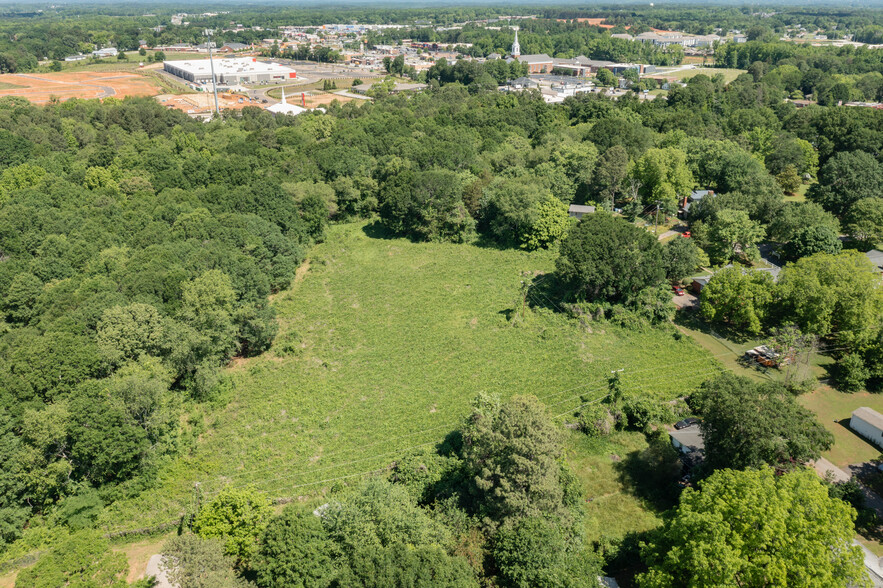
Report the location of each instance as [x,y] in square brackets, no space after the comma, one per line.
[544,398]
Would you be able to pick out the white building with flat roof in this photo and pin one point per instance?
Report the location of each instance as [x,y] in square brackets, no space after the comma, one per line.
[229,72]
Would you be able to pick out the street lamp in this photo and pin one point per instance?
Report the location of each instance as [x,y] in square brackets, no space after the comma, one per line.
[208,33]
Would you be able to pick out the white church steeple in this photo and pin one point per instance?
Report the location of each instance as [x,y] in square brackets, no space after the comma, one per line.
[516,48]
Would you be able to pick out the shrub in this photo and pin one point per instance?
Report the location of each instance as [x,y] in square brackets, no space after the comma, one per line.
[852,374]
[237,516]
[595,420]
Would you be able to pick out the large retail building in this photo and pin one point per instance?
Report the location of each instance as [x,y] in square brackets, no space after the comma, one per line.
[229,72]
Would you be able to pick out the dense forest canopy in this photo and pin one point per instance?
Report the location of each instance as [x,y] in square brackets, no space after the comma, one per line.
[28,36]
[139,249]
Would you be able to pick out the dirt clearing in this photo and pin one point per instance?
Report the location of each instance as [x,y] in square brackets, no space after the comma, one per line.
[40,87]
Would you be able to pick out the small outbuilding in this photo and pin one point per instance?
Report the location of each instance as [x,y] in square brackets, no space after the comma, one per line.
[699,283]
[868,423]
[688,440]
[578,210]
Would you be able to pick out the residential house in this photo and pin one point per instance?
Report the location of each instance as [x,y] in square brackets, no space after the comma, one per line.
[578,210]
[688,440]
[699,283]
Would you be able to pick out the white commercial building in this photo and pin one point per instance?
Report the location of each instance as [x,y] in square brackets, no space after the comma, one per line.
[229,72]
[869,424]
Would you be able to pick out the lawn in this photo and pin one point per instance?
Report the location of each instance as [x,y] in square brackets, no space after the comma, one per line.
[800,195]
[685,74]
[729,352]
[834,410]
[383,345]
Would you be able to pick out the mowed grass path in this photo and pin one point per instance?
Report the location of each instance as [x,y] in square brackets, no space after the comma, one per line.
[382,348]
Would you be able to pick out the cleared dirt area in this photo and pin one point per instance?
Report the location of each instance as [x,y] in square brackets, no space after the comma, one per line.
[40,88]
[139,553]
[204,102]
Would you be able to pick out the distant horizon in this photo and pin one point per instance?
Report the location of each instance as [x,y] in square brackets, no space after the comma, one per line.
[343,4]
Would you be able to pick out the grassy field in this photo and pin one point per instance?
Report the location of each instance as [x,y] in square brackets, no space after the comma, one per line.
[685,74]
[612,506]
[383,345]
[834,410]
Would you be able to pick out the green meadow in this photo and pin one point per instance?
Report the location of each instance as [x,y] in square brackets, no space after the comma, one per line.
[383,345]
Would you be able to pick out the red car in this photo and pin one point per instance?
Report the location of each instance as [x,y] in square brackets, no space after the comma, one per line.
[678,290]
[686,234]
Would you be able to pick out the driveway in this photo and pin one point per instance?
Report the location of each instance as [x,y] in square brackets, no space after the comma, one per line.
[768,254]
[872,499]
[686,301]
[154,568]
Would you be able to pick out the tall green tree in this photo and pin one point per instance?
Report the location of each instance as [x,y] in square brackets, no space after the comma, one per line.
[739,299]
[839,295]
[237,516]
[746,424]
[295,552]
[812,240]
[680,258]
[665,176]
[512,452]
[731,532]
[606,257]
[864,223]
[533,552]
[845,179]
[733,235]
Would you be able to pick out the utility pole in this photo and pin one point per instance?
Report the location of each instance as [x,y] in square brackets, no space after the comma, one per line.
[656,225]
[524,288]
[211,61]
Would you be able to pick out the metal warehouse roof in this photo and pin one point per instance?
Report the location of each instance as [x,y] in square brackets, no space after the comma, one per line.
[229,66]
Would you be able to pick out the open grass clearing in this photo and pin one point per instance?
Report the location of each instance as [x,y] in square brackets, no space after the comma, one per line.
[800,194]
[139,553]
[729,352]
[686,74]
[383,345]
[612,507]
[834,410]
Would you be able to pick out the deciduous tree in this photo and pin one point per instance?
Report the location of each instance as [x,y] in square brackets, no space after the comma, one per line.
[731,532]
[237,516]
[746,424]
[604,257]
[733,235]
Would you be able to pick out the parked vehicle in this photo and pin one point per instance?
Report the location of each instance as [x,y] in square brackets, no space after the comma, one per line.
[689,422]
[686,235]
[678,290]
[767,357]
